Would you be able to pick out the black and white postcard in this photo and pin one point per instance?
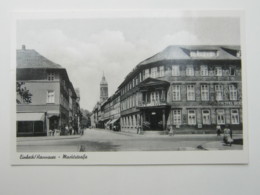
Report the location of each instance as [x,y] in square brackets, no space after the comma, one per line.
[129,87]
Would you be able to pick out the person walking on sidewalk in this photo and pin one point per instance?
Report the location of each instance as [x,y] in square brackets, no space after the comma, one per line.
[218,129]
[227,136]
[138,129]
[171,132]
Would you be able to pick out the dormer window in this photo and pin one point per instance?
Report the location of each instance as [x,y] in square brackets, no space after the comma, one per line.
[51,76]
[203,53]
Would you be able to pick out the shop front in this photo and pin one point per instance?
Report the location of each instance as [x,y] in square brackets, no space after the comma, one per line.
[31,124]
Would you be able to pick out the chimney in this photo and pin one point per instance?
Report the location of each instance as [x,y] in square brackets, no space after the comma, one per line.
[23,47]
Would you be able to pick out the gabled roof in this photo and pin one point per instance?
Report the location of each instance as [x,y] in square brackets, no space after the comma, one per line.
[29,58]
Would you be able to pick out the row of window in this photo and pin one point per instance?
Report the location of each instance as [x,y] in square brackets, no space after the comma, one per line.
[160,95]
[64,102]
[204,92]
[192,117]
[156,72]
[189,71]
[129,121]
[130,102]
[206,117]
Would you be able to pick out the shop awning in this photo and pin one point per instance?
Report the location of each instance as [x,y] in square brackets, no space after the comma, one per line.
[52,113]
[30,116]
[114,120]
[108,122]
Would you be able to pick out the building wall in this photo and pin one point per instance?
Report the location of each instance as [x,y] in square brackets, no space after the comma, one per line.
[129,94]
[39,91]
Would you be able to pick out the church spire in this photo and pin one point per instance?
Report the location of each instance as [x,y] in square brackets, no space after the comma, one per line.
[103,89]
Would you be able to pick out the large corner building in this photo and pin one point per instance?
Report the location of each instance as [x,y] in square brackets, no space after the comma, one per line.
[193,88]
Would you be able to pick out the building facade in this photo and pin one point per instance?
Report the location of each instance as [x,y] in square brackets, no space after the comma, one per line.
[98,116]
[191,88]
[53,99]
[111,112]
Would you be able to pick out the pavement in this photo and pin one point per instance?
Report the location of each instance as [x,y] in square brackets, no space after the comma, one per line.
[39,138]
[105,140]
[219,145]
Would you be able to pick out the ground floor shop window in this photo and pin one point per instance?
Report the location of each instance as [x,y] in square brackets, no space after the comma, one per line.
[30,127]
[206,117]
[191,117]
[177,117]
[25,127]
[234,116]
[220,117]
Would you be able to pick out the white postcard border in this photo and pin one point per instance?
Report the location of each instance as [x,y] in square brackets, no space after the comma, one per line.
[128,158]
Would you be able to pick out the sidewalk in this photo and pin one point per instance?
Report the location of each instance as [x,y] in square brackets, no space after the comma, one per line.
[219,145]
[40,138]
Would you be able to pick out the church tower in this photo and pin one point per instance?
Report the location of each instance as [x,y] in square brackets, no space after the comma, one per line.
[103,89]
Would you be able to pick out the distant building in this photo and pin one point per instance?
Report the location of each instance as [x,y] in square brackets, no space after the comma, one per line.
[103,89]
[54,102]
[97,116]
[111,112]
[192,88]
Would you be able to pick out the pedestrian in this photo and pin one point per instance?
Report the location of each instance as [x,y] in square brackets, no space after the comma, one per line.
[51,132]
[138,128]
[227,136]
[66,130]
[218,129]
[82,131]
[171,132]
[70,130]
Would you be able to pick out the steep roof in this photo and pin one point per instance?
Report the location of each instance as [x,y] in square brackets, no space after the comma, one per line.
[182,52]
[29,58]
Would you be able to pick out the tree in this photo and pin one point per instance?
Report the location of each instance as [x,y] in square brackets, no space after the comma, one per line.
[24,94]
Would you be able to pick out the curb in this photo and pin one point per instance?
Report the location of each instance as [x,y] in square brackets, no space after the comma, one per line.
[21,139]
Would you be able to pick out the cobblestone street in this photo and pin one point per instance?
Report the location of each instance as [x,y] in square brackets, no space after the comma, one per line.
[105,140]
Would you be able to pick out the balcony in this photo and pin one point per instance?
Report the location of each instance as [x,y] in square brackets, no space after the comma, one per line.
[153,103]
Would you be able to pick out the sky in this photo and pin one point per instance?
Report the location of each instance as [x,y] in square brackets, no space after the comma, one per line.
[89,47]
